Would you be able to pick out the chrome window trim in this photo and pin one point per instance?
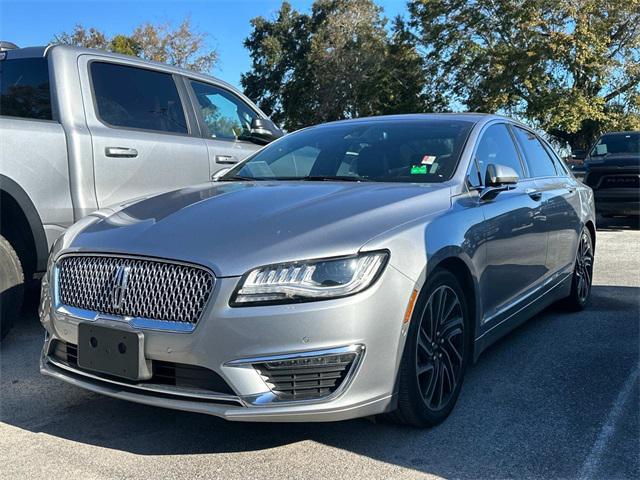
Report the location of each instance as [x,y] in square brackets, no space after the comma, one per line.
[270,399]
[136,322]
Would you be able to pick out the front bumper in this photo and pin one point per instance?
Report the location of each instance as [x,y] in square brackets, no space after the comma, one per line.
[230,341]
[619,202]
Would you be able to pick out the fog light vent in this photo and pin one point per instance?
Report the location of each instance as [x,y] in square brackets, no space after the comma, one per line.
[306,377]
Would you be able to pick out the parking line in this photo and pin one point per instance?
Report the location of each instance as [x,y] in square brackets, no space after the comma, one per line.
[591,463]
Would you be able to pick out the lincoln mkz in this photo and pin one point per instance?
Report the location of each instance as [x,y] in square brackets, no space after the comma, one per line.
[350,269]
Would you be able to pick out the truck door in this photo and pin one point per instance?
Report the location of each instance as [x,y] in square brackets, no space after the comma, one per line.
[145,139]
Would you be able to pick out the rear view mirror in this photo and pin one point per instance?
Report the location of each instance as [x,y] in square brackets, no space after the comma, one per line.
[264,131]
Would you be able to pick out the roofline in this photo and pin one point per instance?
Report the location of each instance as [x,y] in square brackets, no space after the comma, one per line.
[131,58]
[474,117]
[43,51]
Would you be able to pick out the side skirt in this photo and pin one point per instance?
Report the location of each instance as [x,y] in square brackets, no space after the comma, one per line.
[522,312]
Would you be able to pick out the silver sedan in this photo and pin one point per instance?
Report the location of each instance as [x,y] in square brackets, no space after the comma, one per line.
[350,269]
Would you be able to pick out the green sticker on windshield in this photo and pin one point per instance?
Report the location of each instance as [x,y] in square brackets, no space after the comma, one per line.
[418,169]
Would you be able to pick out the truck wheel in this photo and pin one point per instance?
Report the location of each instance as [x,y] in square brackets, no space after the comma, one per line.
[11,286]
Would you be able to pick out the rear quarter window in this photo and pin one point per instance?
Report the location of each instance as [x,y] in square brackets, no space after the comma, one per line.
[24,88]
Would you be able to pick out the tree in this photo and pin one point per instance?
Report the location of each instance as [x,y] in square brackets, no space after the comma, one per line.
[83,37]
[182,46]
[570,67]
[403,88]
[338,61]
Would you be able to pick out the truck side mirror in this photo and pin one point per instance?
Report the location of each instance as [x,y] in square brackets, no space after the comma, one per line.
[264,131]
[578,154]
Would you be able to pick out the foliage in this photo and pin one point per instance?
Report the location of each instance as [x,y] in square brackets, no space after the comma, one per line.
[336,62]
[183,46]
[570,67]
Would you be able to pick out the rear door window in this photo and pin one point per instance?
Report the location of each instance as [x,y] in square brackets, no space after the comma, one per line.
[24,88]
[538,159]
[132,97]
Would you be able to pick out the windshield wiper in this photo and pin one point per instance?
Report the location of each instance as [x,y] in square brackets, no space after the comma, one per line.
[329,178]
[238,178]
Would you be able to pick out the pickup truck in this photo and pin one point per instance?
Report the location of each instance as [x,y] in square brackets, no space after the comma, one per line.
[612,170]
[81,129]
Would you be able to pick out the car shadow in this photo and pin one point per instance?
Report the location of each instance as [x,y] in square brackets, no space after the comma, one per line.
[527,407]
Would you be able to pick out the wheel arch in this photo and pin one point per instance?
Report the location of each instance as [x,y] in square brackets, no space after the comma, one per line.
[592,230]
[460,266]
[22,223]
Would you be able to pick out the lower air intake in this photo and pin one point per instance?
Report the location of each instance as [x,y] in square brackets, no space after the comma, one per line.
[306,378]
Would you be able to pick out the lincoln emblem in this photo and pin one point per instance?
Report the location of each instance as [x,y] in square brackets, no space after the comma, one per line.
[119,286]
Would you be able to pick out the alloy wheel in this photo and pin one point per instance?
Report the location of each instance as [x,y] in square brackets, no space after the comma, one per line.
[584,267]
[440,347]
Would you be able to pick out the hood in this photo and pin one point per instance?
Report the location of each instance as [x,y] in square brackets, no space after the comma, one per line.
[234,227]
[615,160]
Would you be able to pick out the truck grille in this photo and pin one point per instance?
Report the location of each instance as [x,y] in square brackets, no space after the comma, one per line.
[306,378]
[620,181]
[134,287]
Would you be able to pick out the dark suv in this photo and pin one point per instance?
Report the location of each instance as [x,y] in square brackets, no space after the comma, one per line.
[612,170]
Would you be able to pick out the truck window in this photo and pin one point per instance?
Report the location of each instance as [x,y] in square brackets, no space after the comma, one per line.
[24,88]
[226,116]
[133,97]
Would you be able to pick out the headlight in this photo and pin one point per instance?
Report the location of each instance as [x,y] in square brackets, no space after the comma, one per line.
[309,280]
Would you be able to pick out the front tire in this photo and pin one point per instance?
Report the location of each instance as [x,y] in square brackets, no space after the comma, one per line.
[436,353]
[11,286]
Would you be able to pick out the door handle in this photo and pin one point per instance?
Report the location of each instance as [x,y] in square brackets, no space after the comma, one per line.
[120,152]
[534,193]
[227,159]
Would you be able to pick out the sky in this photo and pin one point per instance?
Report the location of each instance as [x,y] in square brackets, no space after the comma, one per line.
[30,23]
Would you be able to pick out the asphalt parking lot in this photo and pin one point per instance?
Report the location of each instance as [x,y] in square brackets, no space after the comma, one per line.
[557,398]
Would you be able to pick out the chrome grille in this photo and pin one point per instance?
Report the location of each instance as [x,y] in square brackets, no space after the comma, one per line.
[153,289]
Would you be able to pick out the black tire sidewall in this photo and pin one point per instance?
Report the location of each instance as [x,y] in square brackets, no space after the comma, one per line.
[11,286]
[575,297]
[419,414]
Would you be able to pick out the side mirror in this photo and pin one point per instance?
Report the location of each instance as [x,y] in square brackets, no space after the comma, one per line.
[216,176]
[264,131]
[500,175]
[498,179]
[578,154]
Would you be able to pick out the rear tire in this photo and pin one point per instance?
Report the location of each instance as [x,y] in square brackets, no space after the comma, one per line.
[582,275]
[11,286]
[436,353]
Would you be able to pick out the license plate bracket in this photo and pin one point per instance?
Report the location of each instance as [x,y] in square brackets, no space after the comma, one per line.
[108,350]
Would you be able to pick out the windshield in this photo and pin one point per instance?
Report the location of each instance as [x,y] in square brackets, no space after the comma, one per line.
[423,150]
[620,143]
